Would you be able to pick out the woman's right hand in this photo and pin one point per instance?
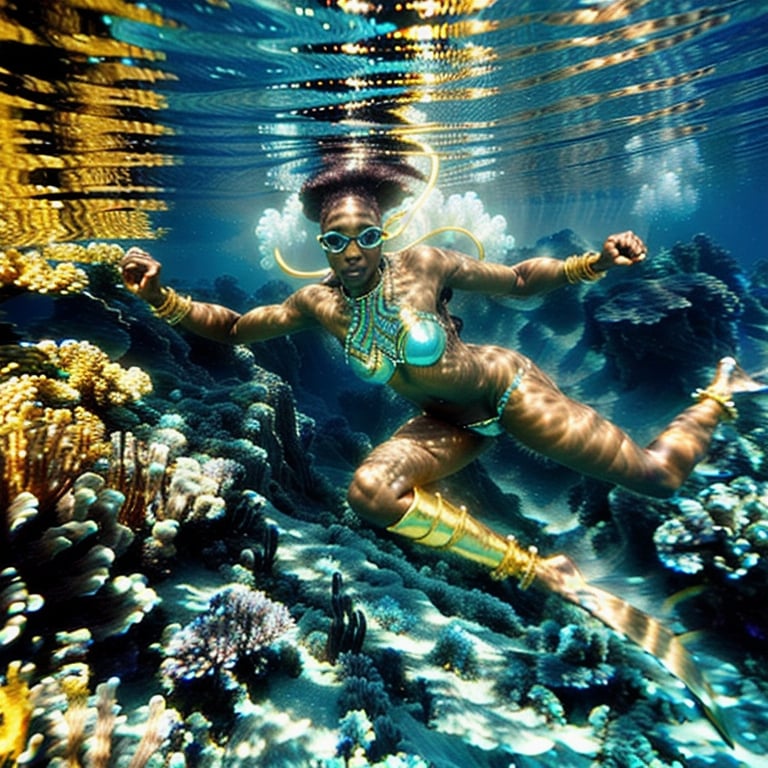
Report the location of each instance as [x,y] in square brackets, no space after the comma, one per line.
[141,275]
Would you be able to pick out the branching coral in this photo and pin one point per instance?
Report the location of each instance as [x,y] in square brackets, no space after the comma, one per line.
[43,449]
[238,626]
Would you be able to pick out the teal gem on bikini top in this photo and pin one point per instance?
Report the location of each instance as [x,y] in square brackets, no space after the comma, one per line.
[383,335]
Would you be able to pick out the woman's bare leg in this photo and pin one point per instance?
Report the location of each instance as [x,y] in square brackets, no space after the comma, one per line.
[387,490]
[573,434]
[422,451]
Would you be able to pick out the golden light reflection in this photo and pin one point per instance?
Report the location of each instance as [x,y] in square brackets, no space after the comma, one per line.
[77,123]
[86,141]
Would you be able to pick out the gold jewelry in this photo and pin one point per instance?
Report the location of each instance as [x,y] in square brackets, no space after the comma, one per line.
[435,522]
[580,269]
[731,414]
[174,307]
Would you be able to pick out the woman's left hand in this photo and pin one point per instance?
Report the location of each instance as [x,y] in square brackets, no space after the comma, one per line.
[621,250]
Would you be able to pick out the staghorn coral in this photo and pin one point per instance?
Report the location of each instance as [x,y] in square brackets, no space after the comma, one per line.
[238,625]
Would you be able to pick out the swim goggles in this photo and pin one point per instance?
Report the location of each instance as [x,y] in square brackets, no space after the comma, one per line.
[335,242]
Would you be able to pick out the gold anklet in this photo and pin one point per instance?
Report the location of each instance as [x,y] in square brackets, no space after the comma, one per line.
[174,307]
[517,562]
[731,414]
[579,269]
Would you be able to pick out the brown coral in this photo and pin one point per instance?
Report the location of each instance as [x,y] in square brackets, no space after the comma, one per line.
[74,728]
[43,448]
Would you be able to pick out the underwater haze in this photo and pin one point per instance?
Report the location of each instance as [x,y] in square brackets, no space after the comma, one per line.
[182,580]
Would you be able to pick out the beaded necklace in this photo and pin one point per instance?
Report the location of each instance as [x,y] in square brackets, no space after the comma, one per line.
[379,325]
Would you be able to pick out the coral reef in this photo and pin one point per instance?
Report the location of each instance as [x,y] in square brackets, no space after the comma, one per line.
[69,727]
[99,381]
[31,271]
[725,528]
[116,496]
[673,327]
[237,628]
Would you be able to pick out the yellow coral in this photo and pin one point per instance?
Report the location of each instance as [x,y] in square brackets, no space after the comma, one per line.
[15,714]
[93,253]
[22,398]
[95,376]
[31,272]
[43,449]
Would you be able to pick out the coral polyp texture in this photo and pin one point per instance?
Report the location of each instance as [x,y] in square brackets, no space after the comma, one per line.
[238,625]
[724,529]
[99,381]
[31,270]
[43,449]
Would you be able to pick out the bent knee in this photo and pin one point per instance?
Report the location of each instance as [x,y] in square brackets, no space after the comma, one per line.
[372,496]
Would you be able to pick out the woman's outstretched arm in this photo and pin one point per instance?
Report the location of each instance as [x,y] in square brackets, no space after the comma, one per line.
[141,275]
[543,274]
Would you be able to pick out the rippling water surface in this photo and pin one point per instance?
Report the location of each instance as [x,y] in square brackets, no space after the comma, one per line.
[123,119]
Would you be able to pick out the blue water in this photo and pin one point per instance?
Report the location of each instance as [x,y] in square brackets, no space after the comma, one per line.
[186,127]
[597,116]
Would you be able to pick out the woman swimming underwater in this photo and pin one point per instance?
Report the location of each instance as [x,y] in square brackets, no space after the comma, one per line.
[387,312]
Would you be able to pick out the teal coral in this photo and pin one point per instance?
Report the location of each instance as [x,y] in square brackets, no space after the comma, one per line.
[455,650]
[725,528]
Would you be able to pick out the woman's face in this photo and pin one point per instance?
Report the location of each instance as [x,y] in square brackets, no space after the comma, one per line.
[356,267]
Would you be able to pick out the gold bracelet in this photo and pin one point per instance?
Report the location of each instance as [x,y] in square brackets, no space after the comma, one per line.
[174,307]
[580,269]
[731,414]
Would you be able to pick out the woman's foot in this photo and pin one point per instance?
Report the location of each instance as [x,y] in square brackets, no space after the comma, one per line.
[730,380]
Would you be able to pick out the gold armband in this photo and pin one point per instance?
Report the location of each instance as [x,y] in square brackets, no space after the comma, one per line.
[174,307]
[580,269]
